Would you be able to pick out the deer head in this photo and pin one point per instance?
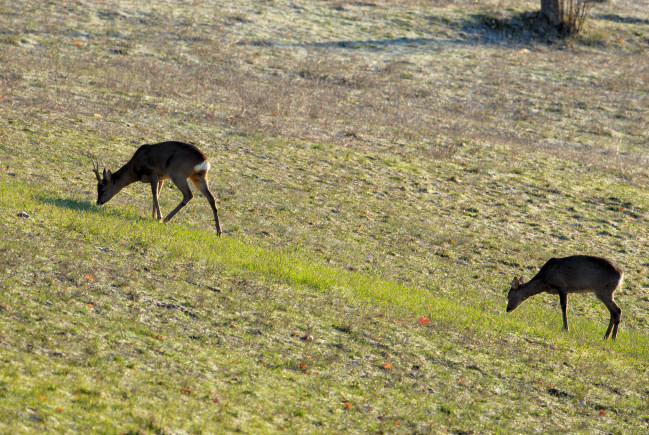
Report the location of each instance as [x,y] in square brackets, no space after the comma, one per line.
[105,187]
[514,297]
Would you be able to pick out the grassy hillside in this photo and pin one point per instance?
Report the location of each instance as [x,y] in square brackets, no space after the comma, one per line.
[383,170]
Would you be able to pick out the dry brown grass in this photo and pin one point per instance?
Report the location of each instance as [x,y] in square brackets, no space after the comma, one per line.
[253,71]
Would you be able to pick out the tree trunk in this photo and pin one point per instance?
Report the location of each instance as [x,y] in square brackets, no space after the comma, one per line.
[550,10]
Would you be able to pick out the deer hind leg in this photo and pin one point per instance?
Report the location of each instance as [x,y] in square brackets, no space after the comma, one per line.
[182,185]
[200,181]
[154,209]
[616,314]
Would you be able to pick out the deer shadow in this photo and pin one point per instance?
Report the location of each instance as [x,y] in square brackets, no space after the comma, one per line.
[86,206]
[71,204]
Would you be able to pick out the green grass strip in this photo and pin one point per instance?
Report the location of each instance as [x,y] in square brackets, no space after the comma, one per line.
[300,268]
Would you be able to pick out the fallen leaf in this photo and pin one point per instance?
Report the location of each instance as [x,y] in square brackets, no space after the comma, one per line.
[347,405]
[423,320]
[388,366]
[90,278]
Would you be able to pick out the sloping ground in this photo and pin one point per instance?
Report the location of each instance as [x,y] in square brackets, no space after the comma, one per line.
[110,323]
[374,162]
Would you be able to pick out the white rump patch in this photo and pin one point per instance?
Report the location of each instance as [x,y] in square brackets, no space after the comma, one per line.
[205,166]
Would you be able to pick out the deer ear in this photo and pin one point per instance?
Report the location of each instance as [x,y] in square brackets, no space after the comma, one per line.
[107,175]
[515,283]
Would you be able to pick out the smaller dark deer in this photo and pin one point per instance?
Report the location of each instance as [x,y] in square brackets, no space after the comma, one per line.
[576,274]
[153,164]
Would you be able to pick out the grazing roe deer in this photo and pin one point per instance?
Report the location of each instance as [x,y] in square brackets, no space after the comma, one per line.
[576,274]
[153,164]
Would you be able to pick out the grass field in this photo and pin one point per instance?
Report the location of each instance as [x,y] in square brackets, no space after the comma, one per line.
[382,169]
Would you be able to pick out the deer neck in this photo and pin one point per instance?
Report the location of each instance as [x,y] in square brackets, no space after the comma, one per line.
[531,288]
[123,177]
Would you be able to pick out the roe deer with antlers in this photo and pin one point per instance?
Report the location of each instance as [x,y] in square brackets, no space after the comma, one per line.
[153,164]
[576,274]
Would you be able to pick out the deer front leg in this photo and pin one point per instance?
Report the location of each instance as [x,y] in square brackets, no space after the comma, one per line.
[563,301]
[153,209]
[155,188]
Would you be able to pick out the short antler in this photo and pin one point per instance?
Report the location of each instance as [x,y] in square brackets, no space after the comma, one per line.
[95,166]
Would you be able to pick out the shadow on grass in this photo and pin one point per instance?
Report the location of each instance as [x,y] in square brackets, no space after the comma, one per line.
[71,204]
[490,28]
[497,28]
[85,206]
[355,44]
[620,18]
[503,29]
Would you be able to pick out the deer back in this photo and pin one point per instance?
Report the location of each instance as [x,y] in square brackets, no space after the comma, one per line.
[579,273]
[168,160]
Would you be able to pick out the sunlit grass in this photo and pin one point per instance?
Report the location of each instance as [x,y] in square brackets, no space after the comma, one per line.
[100,301]
[375,163]
[297,267]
